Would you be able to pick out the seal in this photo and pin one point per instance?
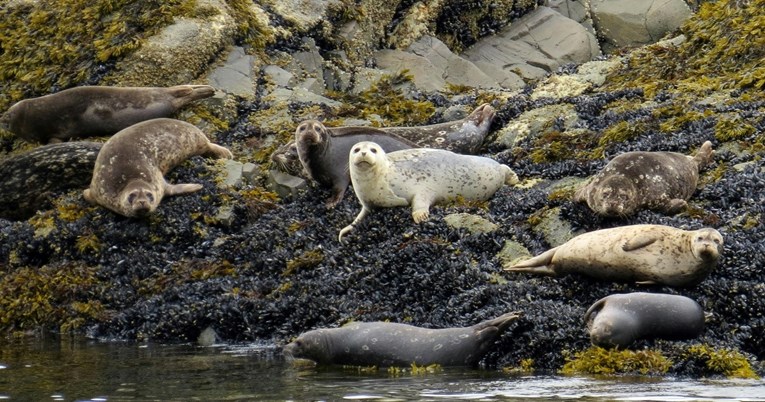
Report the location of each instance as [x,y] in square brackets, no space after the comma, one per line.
[128,177]
[95,110]
[646,254]
[619,320]
[324,155]
[29,181]
[420,177]
[460,136]
[385,344]
[660,181]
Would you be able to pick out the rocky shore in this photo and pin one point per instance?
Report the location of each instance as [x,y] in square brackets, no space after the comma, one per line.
[254,255]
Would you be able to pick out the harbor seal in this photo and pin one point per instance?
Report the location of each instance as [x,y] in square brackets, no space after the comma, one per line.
[324,155]
[95,110]
[386,344]
[619,320]
[463,136]
[420,177]
[29,181]
[661,181]
[128,177]
[646,254]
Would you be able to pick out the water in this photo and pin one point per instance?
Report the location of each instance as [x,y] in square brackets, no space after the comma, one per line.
[69,369]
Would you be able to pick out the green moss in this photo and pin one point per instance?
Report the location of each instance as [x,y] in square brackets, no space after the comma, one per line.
[252,24]
[186,271]
[597,360]
[724,49]
[733,128]
[32,299]
[526,366]
[58,44]
[386,100]
[730,363]
[88,244]
[308,259]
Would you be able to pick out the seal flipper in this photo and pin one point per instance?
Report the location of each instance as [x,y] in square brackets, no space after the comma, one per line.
[593,311]
[540,264]
[182,188]
[639,241]
[704,155]
[675,205]
[188,93]
[501,322]
[89,196]
[421,207]
[217,151]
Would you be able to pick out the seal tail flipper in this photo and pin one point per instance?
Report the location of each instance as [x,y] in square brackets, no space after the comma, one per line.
[182,188]
[500,323]
[188,93]
[364,212]
[539,264]
[511,178]
[219,152]
[704,155]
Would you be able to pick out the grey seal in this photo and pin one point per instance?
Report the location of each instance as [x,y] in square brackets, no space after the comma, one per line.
[420,177]
[128,177]
[619,320]
[661,181]
[386,344]
[647,254]
[95,110]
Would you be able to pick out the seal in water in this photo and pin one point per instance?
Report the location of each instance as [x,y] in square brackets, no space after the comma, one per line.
[619,320]
[661,181]
[386,344]
[420,177]
[325,156]
[647,254]
[129,174]
[95,110]
[29,181]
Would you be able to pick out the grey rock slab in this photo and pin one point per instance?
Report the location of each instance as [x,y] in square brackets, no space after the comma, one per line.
[235,76]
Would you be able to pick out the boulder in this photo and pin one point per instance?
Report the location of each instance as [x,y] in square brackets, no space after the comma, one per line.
[633,23]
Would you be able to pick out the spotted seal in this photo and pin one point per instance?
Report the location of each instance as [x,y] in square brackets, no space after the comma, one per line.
[95,110]
[128,177]
[420,177]
[463,136]
[619,320]
[386,344]
[647,254]
[661,181]
[29,181]
[324,155]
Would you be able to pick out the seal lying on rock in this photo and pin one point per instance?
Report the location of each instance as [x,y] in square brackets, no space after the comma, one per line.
[129,174]
[385,344]
[647,254]
[29,181]
[95,110]
[324,153]
[660,181]
[420,177]
[619,320]
[463,136]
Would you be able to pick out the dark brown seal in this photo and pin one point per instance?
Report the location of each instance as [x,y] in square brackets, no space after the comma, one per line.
[632,181]
[386,344]
[647,254]
[324,155]
[128,177]
[29,181]
[619,320]
[95,110]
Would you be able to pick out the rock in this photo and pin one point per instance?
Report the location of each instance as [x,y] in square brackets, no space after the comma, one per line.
[456,112]
[364,78]
[281,95]
[178,53]
[554,229]
[207,337]
[231,172]
[433,66]
[631,23]
[279,76]
[225,215]
[284,184]
[303,14]
[511,253]
[535,122]
[473,223]
[236,76]
[250,172]
[535,45]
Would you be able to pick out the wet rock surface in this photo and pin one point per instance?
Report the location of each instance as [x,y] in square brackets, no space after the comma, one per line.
[251,267]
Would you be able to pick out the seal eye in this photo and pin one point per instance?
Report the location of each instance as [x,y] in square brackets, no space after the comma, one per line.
[355,151]
[150,197]
[374,150]
[131,197]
